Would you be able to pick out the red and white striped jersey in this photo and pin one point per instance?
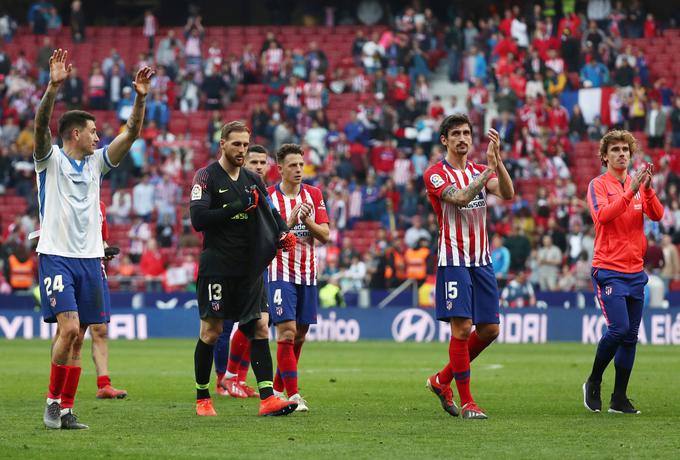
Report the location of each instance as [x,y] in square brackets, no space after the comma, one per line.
[463,238]
[313,92]
[273,59]
[297,267]
[292,95]
[403,171]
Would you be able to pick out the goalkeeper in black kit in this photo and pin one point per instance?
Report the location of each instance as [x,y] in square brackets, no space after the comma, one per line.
[241,235]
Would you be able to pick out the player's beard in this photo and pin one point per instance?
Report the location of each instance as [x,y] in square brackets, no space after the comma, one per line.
[462,148]
[236,160]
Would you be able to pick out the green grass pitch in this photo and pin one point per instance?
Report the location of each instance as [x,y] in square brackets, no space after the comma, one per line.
[367,400]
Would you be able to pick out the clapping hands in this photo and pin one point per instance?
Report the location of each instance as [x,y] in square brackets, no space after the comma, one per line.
[642,177]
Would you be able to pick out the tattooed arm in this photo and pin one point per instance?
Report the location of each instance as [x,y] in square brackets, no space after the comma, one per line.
[462,196]
[120,146]
[58,74]
[43,135]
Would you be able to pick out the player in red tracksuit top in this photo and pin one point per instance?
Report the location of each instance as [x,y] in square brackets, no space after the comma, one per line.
[617,203]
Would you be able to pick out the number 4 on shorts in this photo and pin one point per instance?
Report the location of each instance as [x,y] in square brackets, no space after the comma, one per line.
[278,300]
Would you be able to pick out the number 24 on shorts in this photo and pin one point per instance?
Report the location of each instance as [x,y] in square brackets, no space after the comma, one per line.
[53,284]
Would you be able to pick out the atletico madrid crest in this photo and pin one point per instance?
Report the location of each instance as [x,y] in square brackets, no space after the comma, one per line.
[608,290]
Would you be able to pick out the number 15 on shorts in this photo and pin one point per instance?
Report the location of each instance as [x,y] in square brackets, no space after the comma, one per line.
[451,290]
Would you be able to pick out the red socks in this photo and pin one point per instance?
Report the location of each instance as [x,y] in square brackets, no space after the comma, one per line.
[475,347]
[245,364]
[239,344]
[297,349]
[102,381]
[68,395]
[220,376]
[286,372]
[58,374]
[445,376]
[459,356]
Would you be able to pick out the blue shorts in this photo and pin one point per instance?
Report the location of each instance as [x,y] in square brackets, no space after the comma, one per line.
[71,284]
[292,302]
[467,292]
[106,297]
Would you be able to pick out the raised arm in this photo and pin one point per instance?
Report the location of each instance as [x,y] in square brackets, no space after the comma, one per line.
[462,196]
[502,185]
[120,146]
[604,212]
[58,74]
[652,207]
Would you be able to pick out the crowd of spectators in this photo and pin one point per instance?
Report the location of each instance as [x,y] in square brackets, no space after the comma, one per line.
[370,162]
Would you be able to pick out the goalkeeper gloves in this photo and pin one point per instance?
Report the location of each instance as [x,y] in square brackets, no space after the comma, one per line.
[253,197]
[287,241]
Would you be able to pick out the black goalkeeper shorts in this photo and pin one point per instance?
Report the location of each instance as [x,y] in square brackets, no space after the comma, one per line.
[236,298]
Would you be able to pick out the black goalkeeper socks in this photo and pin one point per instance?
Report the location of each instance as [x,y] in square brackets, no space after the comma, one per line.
[203,358]
[261,361]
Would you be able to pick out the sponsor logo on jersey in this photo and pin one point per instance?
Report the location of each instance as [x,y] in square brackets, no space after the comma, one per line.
[436,180]
[240,216]
[223,190]
[196,192]
[301,231]
[477,202]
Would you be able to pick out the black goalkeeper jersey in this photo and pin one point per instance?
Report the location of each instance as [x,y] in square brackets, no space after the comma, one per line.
[226,227]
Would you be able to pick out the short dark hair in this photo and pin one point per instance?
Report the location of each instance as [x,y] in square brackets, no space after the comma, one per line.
[454,120]
[257,148]
[287,149]
[234,127]
[73,119]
